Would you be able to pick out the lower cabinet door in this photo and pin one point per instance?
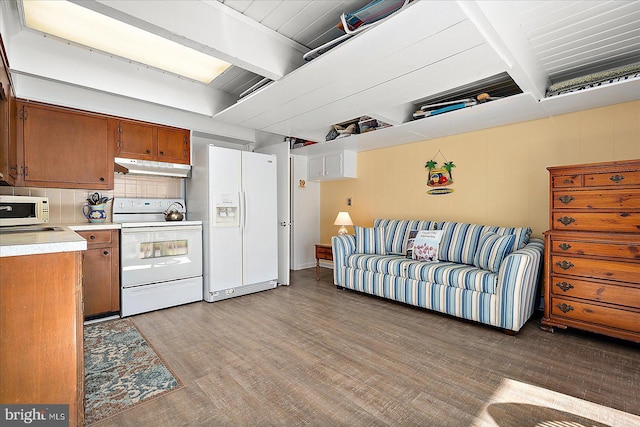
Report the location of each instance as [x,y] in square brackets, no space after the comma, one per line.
[97,281]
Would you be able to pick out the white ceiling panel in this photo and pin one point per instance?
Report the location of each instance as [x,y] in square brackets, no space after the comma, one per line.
[572,38]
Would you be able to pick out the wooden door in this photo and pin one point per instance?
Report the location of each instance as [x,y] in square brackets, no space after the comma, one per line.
[96,281]
[65,148]
[173,145]
[136,141]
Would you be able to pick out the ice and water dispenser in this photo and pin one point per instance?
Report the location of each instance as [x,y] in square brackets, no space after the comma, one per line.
[227,210]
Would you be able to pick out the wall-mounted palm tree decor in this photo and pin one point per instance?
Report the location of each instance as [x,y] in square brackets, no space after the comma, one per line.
[440,178]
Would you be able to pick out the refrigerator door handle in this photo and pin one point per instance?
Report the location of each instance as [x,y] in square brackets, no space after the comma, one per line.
[244,209]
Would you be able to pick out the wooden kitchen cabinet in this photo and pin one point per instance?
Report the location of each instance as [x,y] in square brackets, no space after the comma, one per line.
[146,141]
[101,270]
[63,148]
[8,150]
[41,344]
[592,251]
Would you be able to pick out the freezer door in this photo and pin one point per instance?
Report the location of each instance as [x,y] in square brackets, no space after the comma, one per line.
[260,220]
[225,240]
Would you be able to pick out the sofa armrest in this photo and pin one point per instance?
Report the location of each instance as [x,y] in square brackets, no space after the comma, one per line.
[342,247]
[518,280]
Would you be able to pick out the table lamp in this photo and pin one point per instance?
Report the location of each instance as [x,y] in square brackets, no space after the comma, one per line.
[343,219]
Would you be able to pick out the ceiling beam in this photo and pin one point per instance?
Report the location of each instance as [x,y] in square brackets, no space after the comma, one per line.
[213,28]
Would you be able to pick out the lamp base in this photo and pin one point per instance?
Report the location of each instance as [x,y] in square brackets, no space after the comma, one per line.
[342,231]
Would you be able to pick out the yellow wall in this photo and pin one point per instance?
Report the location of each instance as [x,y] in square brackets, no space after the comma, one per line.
[500,176]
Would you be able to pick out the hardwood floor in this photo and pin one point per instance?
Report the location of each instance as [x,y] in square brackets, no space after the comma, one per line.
[310,354]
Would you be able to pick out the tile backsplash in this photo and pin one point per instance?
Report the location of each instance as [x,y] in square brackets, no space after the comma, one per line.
[65,205]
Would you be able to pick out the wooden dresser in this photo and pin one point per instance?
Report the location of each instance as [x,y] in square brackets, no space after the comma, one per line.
[592,251]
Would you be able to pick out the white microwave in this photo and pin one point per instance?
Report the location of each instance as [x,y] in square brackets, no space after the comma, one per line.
[23,210]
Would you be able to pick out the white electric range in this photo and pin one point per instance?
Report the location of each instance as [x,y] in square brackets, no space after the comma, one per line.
[160,261]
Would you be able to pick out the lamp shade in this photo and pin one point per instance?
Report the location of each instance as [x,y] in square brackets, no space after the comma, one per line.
[343,219]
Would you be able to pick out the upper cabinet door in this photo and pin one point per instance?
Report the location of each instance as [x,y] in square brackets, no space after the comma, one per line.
[64,148]
[136,141]
[173,145]
[8,150]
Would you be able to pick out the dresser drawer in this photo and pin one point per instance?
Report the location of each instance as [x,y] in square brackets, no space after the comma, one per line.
[596,314]
[627,296]
[612,179]
[564,181]
[626,250]
[617,222]
[618,271]
[597,199]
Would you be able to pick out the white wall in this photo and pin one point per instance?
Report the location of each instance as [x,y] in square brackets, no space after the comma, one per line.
[305,229]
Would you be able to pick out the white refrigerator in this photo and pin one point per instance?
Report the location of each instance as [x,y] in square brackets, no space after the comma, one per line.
[234,194]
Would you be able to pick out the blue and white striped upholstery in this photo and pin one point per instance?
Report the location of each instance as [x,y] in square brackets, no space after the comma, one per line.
[446,273]
[492,249]
[459,242]
[370,240]
[396,231]
[504,299]
[518,284]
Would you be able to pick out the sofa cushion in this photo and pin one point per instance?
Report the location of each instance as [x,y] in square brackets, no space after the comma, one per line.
[370,240]
[522,234]
[444,273]
[397,230]
[459,242]
[492,249]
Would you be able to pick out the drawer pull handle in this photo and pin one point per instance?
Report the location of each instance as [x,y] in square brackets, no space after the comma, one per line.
[566,220]
[565,308]
[105,253]
[92,237]
[564,246]
[617,178]
[568,181]
[565,286]
[566,199]
[565,265]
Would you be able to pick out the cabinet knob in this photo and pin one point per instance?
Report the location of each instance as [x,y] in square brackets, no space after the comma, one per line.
[162,153]
[105,253]
[148,151]
[92,237]
[101,179]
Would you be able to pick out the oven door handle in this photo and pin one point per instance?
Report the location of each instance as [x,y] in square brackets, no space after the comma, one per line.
[160,229]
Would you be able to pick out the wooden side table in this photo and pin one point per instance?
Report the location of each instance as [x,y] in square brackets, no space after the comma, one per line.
[323,251]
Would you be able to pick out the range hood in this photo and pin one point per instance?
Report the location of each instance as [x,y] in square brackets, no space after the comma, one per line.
[149,167]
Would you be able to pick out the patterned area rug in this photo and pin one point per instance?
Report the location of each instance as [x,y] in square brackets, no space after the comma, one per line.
[121,370]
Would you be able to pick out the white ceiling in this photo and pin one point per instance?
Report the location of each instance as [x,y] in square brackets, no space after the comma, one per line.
[536,42]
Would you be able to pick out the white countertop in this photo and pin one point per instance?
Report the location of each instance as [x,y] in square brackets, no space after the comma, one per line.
[40,242]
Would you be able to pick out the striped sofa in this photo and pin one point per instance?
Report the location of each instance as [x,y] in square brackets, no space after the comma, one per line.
[484,273]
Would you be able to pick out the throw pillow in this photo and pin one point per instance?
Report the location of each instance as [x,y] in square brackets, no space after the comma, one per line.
[492,250]
[370,240]
[426,244]
[411,235]
[397,230]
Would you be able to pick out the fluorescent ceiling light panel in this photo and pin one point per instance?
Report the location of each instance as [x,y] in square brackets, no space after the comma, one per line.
[84,26]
